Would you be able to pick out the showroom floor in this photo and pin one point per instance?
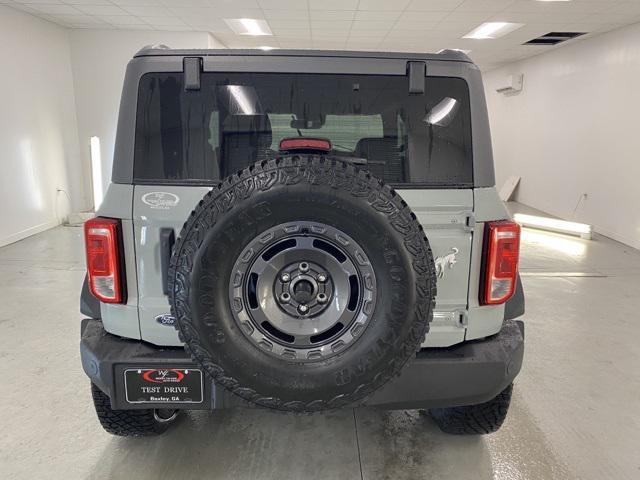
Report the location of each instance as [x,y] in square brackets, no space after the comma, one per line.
[574,415]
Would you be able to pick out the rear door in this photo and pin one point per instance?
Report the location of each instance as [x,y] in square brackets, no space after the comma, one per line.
[159,212]
[447,218]
[186,140]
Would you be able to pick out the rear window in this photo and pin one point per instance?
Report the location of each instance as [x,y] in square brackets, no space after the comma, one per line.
[236,119]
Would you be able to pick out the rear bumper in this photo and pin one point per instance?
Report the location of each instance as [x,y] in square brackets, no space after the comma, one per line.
[465,374]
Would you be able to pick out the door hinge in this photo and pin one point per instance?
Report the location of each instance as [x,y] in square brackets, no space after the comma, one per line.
[192,68]
[470,222]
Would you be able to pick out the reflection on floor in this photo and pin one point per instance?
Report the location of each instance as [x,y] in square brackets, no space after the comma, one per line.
[574,413]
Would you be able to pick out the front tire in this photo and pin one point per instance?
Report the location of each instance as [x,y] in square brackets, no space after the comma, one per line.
[474,419]
[130,423]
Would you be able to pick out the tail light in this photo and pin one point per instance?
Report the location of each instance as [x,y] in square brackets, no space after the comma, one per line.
[502,240]
[102,244]
[305,143]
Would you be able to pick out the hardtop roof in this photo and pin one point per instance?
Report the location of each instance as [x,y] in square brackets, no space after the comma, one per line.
[163,51]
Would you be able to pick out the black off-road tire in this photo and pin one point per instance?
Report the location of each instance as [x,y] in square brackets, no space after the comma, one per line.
[127,423]
[478,419]
[298,189]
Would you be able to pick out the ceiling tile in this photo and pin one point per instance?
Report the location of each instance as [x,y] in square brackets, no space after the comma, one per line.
[163,21]
[330,15]
[76,19]
[364,41]
[371,27]
[292,32]
[373,16]
[150,11]
[56,9]
[476,17]
[333,4]
[295,43]
[329,44]
[91,26]
[426,16]
[484,6]
[101,10]
[182,3]
[203,25]
[285,24]
[121,3]
[232,11]
[171,28]
[403,25]
[334,36]
[434,5]
[557,7]
[330,25]
[286,14]
[132,27]
[397,5]
[609,17]
[121,19]
[283,4]
[626,7]
[36,2]
[408,30]
[249,4]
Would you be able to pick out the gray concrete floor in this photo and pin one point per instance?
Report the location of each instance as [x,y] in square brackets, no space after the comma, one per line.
[574,414]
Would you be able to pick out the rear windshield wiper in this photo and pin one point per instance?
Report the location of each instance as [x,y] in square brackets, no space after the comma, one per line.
[350,159]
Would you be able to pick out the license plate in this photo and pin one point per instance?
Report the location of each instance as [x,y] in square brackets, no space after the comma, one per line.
[169,385]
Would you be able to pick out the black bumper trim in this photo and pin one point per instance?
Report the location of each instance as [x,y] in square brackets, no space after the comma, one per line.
[89,305]
[465,374]
[105,357]
[514,307]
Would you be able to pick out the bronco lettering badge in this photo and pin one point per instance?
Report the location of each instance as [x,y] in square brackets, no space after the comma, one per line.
[166,319]
[163,385]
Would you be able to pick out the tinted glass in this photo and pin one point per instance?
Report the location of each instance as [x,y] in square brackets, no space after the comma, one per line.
[236,119]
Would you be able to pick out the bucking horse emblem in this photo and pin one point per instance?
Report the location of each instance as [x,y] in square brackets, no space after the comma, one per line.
[446,261]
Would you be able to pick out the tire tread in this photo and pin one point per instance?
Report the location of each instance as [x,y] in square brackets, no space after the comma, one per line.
[125,423]
[477,419]
[287,170]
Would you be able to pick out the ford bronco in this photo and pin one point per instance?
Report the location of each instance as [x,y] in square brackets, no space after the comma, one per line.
[301,231]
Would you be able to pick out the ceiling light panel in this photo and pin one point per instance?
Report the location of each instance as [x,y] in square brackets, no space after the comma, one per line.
[249,26]
[490,30]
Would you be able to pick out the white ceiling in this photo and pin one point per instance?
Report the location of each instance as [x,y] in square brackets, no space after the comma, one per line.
[388,25]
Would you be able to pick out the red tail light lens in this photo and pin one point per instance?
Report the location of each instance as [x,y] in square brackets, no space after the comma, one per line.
[304,143]
[102,240]
[501,261]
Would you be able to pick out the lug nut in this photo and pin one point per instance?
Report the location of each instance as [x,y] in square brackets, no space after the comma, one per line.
[285,297]
[285,277]
[321,298]
[303,267]
[322,278]
[303,308]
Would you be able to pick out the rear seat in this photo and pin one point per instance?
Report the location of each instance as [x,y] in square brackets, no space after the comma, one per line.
[246,139]
[385,159]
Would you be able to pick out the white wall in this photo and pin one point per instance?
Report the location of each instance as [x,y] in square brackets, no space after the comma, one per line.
[38,128]
[574,129]
[99,59]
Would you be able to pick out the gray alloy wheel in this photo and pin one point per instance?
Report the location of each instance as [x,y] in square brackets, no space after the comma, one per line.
[303,291]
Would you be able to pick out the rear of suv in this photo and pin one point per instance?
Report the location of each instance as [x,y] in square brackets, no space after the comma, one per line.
[301,231]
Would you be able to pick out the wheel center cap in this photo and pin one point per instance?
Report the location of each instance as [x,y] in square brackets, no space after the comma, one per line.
[303,291]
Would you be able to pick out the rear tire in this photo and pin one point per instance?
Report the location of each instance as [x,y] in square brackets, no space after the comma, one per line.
[474,419]
[130,423]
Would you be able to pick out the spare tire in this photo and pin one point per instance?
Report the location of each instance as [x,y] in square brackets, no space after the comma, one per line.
[302,284]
